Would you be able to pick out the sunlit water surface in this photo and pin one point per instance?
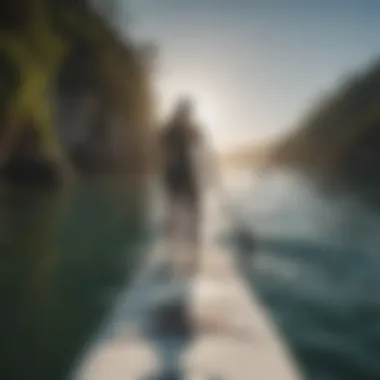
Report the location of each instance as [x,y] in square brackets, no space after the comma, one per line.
[316,265]
[65,258]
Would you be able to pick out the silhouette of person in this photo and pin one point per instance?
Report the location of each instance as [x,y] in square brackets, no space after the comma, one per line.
[184,148]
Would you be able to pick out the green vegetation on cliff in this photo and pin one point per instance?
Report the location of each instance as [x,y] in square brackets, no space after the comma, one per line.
[72,92]
[338,143]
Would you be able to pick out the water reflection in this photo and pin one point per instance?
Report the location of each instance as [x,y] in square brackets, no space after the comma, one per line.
[64,256]
[315,262]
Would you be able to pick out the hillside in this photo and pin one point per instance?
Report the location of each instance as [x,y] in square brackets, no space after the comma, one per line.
[75,97]
[338,142]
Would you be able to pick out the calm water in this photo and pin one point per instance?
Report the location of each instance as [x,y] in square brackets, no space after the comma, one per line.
[66,256]
[317,267]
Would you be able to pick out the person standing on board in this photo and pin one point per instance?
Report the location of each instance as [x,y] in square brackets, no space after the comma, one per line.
[185,165]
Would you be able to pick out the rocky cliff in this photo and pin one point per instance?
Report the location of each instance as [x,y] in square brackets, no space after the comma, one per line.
[338,143]
[75,97]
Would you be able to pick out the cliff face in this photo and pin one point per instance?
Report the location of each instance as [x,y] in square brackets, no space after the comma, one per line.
[74,96]
[338,143]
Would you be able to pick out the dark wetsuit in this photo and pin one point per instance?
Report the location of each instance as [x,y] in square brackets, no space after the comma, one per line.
[181,179]
[180,176]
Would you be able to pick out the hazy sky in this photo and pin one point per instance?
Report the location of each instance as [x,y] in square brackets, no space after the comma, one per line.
[255,66]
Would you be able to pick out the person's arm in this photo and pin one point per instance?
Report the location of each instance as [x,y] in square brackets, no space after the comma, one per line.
[208,162]
[161,148]
[213,166]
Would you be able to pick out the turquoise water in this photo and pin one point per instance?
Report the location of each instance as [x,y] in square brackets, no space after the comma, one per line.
[316,265]
[64,258]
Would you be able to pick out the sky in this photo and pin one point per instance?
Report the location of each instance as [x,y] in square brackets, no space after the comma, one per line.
[254,66]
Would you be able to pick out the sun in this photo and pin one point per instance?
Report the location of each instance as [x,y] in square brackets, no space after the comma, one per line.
[206,111]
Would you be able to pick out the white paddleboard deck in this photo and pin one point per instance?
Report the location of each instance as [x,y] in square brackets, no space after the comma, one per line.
[232,338]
